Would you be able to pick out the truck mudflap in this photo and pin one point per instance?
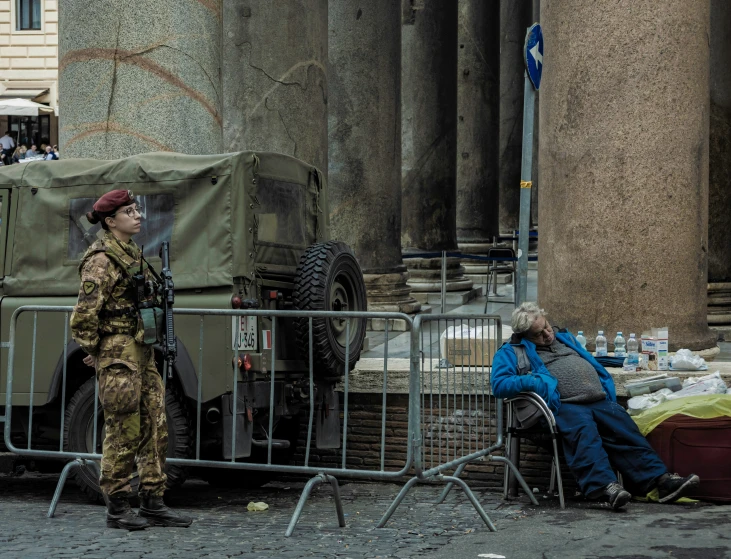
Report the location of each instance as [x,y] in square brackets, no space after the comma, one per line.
[327,427]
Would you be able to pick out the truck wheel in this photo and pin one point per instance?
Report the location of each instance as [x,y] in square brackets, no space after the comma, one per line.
[329,278]
[79,432]
[252,479]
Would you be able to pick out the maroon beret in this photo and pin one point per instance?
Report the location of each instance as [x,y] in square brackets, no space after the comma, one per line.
[113,200]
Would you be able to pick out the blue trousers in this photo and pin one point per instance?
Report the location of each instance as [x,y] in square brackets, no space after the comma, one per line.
[601,436]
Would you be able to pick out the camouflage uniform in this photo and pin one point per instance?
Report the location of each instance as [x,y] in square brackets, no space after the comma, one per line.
[106,325]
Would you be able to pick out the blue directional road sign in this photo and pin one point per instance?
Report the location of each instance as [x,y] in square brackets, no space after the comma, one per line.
[533,53]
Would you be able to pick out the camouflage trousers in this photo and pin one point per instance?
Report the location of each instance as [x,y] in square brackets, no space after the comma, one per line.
[132,395]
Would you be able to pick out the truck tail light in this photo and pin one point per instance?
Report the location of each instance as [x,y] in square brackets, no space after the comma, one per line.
[244,361]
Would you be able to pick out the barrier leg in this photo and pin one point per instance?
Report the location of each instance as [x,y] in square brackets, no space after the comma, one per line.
[448,488]
[307,491]
[557,467]
[473,500]
[514,457]
[338,503]
[397,501]
[61,482]
[517,475]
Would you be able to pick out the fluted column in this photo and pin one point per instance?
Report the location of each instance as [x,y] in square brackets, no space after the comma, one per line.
[719,232]
[515,17]
[624,167]
[275,82]
[365,153]
[429,142]
[139,76]
[478,99]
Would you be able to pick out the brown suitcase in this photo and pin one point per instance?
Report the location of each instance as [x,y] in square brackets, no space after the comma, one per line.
[699,446]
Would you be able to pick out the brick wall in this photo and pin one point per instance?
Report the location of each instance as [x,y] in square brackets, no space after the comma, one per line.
[446,430]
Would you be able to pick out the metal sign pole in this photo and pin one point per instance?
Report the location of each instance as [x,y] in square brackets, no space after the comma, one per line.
[529,96]
[533,56]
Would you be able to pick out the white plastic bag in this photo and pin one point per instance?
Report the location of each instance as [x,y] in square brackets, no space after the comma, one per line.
[685,360]
[638,404]
[697,386]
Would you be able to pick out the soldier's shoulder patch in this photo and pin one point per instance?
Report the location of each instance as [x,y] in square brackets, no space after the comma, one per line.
[89,287]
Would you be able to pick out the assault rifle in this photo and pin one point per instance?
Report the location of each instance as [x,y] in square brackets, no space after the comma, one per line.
[170,343]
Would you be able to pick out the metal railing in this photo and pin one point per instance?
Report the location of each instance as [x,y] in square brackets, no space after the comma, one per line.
[456,420]
[452,418]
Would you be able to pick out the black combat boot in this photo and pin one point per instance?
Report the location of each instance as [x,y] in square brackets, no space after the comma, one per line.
[153,509]
[120,515]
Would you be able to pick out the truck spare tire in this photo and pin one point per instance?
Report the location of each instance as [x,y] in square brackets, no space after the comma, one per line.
[329,278]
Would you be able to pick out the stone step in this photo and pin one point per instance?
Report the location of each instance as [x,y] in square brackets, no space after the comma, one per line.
[481,279]
[394,324]
[452,297]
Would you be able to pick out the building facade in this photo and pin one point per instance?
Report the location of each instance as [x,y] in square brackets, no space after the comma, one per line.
[29,66]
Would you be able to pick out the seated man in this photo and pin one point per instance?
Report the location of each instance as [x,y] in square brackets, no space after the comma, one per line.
[597,433]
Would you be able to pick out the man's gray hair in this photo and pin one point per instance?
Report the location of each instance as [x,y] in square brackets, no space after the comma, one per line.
[524,316]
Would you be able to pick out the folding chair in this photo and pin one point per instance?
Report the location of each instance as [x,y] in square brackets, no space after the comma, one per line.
[494,267]
[540,430]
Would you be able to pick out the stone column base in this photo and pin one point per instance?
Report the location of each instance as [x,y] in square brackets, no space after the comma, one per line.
[389,292]
[719,305]
[426,281]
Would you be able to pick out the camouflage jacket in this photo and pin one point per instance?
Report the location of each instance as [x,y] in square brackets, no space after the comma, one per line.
[107,298]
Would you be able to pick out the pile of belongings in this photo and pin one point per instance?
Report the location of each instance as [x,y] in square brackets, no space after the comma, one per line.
[692,386]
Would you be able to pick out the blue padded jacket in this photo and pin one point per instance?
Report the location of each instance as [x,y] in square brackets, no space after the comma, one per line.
[506,382]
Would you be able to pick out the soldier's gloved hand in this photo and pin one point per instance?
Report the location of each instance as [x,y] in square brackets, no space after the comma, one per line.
[90,360]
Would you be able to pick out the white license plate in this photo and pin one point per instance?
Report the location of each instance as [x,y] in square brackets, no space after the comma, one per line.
[244,333]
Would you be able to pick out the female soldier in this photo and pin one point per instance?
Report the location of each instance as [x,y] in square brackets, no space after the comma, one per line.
[107,325]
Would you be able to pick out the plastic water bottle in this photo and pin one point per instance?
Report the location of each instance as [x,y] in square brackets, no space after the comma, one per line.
[620,348]
[581,339]
[601,345]
[633,350]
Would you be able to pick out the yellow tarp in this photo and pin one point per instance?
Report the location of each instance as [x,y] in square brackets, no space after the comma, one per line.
[702,407]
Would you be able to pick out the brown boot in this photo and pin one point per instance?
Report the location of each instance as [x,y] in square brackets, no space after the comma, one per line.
[153,509]
[120,515]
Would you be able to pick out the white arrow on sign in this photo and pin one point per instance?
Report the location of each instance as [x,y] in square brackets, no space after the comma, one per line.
[536,55]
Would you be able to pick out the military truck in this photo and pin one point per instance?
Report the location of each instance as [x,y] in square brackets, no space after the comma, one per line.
[246,230]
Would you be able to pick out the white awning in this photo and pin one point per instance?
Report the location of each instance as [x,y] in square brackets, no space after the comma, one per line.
[23,93]
[22,107]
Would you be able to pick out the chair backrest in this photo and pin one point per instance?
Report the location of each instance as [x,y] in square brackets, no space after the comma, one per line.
[501,252]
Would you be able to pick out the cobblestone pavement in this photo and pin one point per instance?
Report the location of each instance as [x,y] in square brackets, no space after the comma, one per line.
[224,528]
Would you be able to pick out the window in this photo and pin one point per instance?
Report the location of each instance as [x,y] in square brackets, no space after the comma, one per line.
[157,224]
[282,213]
[29,15]
[29,130]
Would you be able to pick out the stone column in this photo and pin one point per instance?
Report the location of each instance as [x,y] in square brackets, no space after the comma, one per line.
[478,104]
[515,17]
[429,142]
[624,168]
[719,183]
[477,124]
[275,82]
[139,76]
[365,154]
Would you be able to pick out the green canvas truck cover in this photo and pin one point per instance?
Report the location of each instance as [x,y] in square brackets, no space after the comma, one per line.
[228,215]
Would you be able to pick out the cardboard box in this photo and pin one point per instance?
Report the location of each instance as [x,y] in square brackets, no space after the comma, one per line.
[663,359]
[471,352]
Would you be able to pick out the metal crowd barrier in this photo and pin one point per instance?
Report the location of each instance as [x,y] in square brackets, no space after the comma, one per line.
[320,474]
[452,419]
[456,421]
